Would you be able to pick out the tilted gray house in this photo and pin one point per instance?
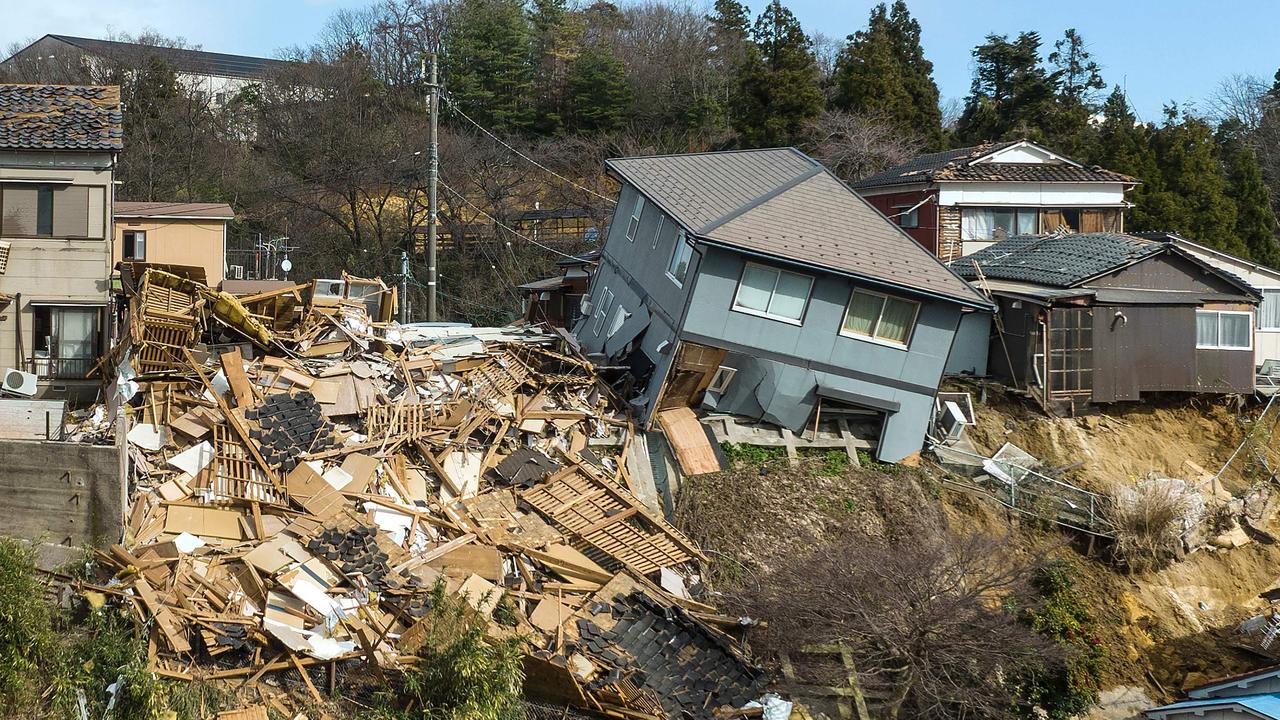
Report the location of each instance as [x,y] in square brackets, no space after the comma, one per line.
[756,283]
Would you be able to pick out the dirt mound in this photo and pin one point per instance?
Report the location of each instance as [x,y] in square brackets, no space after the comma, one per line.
[1172,437]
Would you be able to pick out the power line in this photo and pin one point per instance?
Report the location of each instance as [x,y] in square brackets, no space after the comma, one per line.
[506,145]
[504,226]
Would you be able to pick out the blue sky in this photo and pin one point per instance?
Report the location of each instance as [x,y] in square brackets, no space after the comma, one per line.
[1159,50]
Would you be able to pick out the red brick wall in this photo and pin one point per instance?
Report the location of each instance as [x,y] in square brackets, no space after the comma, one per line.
[893,203]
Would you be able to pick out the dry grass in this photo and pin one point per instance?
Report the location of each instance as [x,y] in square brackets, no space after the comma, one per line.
[1147,522]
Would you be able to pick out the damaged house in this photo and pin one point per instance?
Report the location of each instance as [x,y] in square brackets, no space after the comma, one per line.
[755,283]
[959,201]
[1117,316]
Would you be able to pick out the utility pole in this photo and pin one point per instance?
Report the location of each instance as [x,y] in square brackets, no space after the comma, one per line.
[404,286]
[433,175]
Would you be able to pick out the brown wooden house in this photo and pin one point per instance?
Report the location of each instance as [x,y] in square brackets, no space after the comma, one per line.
[1108,317]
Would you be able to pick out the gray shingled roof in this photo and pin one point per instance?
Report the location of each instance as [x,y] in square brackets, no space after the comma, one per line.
[956,165]
[783,204]
[1057,260]
[61,117]
[192,61]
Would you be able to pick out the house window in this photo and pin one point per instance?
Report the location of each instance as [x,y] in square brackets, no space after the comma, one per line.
[1269,310]
[721,379]
[908,217]
[678,267]
[633,225]
[66,340]
[657,232]
[602,310]
[135,245]
[998,223]
[49,211]
[1224,330]
[773,293]
[880,317]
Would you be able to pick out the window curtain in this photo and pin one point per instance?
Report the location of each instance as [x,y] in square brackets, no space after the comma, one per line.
[895,322]
[1235,330]
[864,310]
[1207,329]
[976,224]
[75,330]
[1269,311]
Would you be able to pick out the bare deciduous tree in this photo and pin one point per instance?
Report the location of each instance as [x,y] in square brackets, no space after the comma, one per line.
[930,617]
[855,145]
[1238,97]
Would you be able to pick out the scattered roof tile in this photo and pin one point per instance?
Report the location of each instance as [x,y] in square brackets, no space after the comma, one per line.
[61,117]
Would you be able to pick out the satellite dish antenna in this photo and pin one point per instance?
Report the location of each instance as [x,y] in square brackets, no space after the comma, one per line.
[286,265]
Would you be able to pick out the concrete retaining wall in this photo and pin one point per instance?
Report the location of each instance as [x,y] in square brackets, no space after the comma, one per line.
[63,493]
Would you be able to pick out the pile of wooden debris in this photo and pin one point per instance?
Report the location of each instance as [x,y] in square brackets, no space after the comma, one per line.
[297,498]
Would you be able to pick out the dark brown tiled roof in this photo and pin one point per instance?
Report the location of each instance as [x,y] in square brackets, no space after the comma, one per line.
[195,211]
[781,203]
[959,165]
[1029,172]
[61,117]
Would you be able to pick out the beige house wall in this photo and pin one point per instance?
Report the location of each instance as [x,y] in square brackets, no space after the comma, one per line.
[178,242]
[53,270]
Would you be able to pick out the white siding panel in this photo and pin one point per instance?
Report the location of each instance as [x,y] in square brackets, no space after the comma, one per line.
[1032,194]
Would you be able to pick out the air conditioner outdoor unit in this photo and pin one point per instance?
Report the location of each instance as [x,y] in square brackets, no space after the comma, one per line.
[236,272]
[18,382]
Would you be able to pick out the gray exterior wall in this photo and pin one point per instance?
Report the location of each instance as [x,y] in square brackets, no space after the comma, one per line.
[780,366]
[973,342]
[783,364]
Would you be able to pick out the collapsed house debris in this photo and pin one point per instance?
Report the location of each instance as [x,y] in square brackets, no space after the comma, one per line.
[297,499]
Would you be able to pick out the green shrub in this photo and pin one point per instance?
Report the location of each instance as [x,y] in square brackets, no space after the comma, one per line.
[26,623]
[1068,689]
[461,673]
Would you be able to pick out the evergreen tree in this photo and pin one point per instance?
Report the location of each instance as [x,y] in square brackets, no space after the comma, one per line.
[727,36]
[779,81]
[554,37]
[487,64]
[1012,92]
[1255,221]
[1079,79]
[882,70]
[599,96]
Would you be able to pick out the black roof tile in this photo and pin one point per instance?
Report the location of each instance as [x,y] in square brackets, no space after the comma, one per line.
[61,117]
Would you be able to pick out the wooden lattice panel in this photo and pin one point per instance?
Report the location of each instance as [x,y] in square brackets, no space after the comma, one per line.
[237,476]
[609,520]
[411,421]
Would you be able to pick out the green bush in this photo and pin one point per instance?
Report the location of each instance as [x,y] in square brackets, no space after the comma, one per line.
[461,673]
[752,455]
[1068,689]
[26,624]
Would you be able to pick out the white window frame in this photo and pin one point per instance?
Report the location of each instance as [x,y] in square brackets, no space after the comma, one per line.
[681,241]
[907,211]
[657,233]
[633,225]
[602,310]
[911,327]
[721,379]
[808,293]
[1274,292]
[1248,314]
[620,316]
